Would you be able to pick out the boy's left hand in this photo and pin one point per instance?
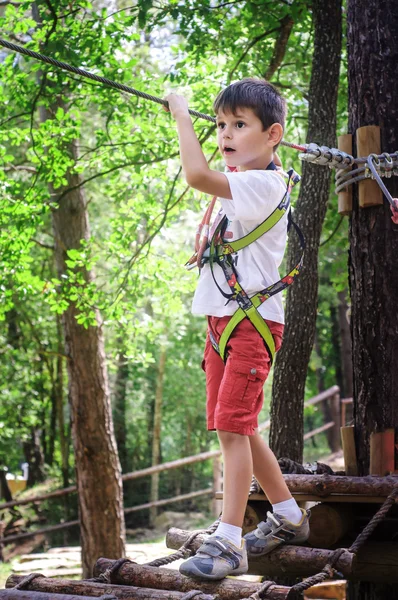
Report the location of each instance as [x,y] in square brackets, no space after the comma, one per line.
[177,105]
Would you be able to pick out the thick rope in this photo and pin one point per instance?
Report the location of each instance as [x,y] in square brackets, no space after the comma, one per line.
[185,551]
[24,584]
[110,574]
[327,571]
[114,84]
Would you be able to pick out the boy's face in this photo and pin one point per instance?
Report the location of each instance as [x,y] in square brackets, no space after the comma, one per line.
[242,141]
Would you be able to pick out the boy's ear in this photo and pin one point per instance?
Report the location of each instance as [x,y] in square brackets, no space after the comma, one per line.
[275,134]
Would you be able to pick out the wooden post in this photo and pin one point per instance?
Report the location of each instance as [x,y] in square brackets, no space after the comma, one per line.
[349,450]
[382,452]
[216,504]
[345,196]
[368,142]
[335,411]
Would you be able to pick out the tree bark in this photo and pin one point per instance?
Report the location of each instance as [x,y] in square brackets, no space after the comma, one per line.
[372,34]
[155,578]
[286,435]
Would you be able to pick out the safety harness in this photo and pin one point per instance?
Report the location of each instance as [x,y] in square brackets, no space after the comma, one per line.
[220,252]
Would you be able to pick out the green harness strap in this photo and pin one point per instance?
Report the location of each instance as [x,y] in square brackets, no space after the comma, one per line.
[220,253]
[257,321]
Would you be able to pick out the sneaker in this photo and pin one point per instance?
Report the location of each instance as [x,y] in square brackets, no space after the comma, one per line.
[216,558]
[276,530]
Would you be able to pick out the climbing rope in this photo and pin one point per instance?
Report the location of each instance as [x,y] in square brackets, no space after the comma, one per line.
[328,569]
[376,166]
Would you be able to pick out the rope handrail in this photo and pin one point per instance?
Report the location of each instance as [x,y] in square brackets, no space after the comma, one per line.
[115,85]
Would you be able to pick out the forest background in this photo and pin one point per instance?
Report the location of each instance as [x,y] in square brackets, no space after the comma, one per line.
[142,218]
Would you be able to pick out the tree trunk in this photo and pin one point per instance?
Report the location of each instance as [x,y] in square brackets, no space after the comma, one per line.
[35,457]
[157,422]
[372,34]
[286,435]
[98,476]
[97,465]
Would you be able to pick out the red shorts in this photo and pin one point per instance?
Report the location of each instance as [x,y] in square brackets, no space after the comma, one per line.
[235,388]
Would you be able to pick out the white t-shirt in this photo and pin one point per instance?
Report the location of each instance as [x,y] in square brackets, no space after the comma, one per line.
[255,195]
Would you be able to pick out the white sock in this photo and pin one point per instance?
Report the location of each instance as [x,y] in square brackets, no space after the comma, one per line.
[231,532]
[288,509]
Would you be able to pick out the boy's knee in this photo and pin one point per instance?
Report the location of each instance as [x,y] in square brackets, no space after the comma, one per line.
[229,437]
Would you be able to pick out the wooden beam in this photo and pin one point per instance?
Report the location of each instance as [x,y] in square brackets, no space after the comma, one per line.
[368,142]
[345,196]
[382,452]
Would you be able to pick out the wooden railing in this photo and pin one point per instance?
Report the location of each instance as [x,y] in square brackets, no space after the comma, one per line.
[332,395]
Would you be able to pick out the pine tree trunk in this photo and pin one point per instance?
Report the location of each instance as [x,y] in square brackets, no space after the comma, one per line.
[372,38]
[286,435]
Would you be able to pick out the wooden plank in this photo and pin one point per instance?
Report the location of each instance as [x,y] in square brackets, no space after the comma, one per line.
[325,427]
[355,498]
[345,196]
[327,590]
[382,452]
[368,142]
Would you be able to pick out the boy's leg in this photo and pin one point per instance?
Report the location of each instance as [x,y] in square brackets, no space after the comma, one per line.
[267,470]
[288,523]
[238,467]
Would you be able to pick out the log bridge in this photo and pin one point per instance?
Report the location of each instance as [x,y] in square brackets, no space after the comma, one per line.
[376,561]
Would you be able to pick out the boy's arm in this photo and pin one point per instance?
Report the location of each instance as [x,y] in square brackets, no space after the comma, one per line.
[196,170]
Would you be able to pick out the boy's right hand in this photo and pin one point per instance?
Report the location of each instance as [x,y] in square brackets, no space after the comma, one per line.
[177,105]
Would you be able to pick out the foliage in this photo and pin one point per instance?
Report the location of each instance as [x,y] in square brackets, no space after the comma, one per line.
[142,217]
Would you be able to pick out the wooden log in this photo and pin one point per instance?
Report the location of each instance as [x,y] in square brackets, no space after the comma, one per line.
[251,519]
[28,595]
[165,583]
[377,562]
[345,196]
[335,590]
[298,561]
[329,523]
[349,450]
[324,485]
[368,142]
[382,452]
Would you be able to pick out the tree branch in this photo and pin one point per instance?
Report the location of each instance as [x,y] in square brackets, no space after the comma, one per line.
[20,168]
[47,246]
[280,47]
[248,47]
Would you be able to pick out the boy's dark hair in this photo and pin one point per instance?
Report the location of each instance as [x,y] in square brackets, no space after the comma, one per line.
[259,95]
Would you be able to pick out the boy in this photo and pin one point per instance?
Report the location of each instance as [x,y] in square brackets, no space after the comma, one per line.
[250,121]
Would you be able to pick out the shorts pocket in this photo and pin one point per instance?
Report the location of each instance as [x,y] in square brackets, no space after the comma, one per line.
[242,384]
